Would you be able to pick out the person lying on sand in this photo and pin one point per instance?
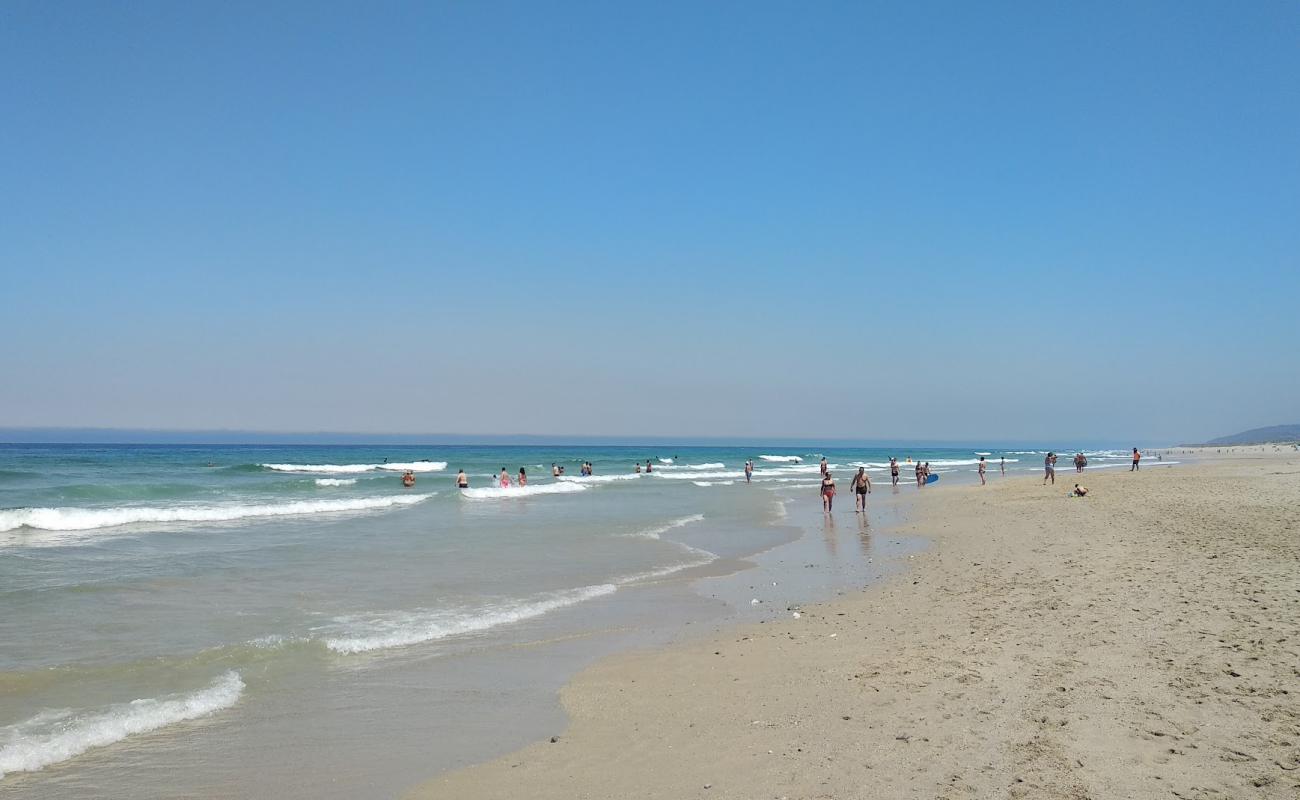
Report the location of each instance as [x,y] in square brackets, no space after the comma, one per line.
[1079,491]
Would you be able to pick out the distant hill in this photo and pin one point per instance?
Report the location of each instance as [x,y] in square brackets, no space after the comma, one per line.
[1274,433]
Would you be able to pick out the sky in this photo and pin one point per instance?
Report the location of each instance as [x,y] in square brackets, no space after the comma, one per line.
[939,221]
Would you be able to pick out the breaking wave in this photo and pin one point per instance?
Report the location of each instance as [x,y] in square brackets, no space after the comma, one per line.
[500,492]
[790,459]
[400,630]
[330,469]
[54,736]
[335,481]
[83,519]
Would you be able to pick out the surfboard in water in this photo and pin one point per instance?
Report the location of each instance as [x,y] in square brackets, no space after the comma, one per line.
[932,479]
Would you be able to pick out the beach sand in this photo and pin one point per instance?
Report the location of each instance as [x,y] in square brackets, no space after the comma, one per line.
[1141,642]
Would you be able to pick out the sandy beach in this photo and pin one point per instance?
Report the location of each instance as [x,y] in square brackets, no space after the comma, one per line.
[1140,642]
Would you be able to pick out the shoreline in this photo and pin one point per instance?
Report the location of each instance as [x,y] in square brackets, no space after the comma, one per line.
[1039,646]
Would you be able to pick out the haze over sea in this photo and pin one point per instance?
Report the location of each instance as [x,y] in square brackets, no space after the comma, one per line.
[278,605]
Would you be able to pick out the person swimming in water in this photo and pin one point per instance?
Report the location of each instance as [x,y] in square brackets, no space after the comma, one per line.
[462,480]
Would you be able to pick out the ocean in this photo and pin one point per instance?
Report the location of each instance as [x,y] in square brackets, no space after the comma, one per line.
[239,621]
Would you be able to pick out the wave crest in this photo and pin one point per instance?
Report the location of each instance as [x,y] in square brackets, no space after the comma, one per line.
[401,630]
[500,492]
[330,469]
[55,736]
[82,519]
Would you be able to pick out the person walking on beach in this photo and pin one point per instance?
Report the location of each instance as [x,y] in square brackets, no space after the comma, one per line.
[982,481]
[920,476]
[1049,468]
[1137,459]
[861,488]
[825,468]
[749,470]
[1004,465]
[828,492]
[893,470]
[925,473]
[462,480]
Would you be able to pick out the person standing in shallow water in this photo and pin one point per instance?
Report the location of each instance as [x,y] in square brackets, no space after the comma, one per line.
[749,470]
[828,492]
[893,470]
[505,479]
[462,480]
[1004,465]
[523,477]
[982,481]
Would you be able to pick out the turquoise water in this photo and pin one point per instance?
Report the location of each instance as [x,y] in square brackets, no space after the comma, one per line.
[171,610]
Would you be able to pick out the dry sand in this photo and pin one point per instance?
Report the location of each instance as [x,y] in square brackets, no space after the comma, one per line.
[1141,642]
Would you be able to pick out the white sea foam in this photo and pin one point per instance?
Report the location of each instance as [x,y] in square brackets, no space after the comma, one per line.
[656,531]
[55,736]
[699,476]
[335,481]
[792,459]
[978,453]
[500,492]
[82,519]
[401,630]
[714,483]
[622,476]
[330,469]
[665,461]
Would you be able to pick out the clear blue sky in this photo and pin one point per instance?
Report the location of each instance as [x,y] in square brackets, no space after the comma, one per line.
[997,221]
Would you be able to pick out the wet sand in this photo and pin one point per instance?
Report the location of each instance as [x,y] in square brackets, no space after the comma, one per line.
[1140,642]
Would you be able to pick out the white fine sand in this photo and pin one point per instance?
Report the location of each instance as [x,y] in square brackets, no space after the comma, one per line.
[1143,642]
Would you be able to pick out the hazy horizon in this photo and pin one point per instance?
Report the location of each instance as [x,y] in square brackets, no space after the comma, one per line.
[1003,222]
[142,436]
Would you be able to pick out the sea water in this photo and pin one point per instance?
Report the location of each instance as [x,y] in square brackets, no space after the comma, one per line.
[292,620]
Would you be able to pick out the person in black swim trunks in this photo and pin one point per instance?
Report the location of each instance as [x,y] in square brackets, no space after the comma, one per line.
[893,470]
[861,488]
[462,480]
